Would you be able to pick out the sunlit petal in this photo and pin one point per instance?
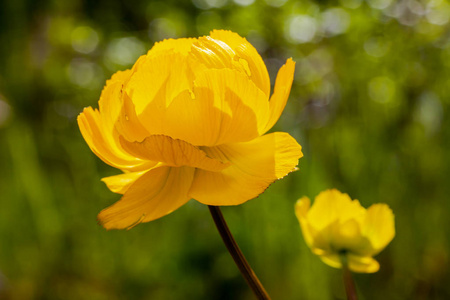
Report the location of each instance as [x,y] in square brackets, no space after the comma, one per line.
[128,125]
[103,144]
[182,46]
[223,106]
[379,226]
[172,152]
[120,183]
[247,56]
[234,109]
[254,166]
[281,92]
[213,53]
[158,80]
[153,195]
[101,128]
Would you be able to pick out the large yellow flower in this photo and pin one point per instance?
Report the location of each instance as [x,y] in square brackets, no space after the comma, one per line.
[188,121]
[336,226]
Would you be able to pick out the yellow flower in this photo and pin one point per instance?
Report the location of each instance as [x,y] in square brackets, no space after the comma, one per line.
[336,225]
[188,121]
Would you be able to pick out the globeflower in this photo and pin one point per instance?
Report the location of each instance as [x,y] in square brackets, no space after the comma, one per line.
[338,229]
[188,120]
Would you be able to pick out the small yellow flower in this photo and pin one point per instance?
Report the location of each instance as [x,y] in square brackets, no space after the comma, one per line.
[188,121]
[336,225]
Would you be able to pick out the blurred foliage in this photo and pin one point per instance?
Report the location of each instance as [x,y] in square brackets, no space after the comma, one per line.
[369,105]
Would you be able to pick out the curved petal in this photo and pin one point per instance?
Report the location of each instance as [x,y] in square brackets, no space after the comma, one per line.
[120,183]
[347,235]
[128,125]
[101,128]
[281,92]
[174,153]
[331,206]
[359,264]
[158,79]
[182,46]
[214,54]
[301,211]
[320,241]
[236,108]
[246,56]
[153,195]
[362,264]
[379,226]
[254,166]
[333,260]
[103,144]
[223,106]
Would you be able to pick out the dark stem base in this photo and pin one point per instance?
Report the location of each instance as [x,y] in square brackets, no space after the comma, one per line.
[349,284]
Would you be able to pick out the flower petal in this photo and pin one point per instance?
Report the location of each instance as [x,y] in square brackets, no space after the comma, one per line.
[155,194]
[247,56]
[182,46]
[301,211]
[120,183]
[359,264]
[101,128]
[236,108]
[172,152]
[254,166]
[128,125]
[362,264]
[379,226]
[103,145]
[332,259]
[158,79]
[332,206]
[214,54]
[347,236]
[223,106]
[281,92]
[110,99]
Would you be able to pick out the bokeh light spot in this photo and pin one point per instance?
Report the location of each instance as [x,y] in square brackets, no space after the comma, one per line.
[162,28]
[244,2]
[124,51]
[84,39]
[379,4]
[438,14]
[351,3]
[429,112]
[300,29]
[84,73]
[376,47]
[335,21]
[276,3]
[381,89]
[208,4]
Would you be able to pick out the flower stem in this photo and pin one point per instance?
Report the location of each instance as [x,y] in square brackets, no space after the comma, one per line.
[237,255]
[349,284]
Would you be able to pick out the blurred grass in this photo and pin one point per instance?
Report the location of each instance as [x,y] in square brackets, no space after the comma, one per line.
[369,105]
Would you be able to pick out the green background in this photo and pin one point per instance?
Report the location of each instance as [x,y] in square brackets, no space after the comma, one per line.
[369,104]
